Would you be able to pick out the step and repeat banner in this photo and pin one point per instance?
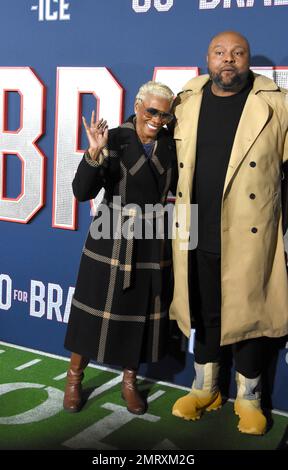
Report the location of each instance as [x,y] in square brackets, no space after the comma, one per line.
[61,59]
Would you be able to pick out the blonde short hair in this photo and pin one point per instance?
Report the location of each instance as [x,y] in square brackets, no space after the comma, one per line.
[157,89]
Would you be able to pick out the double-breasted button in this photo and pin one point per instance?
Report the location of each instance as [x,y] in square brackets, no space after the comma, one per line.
[180,194]
[252,196]
[252,164]
[254,230]
[181,165]
[177,224]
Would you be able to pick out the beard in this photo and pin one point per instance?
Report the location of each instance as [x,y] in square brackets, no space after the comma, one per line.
[237,81]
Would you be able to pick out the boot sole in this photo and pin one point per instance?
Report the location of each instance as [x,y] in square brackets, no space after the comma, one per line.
[142,412]
[75,409]
[196,416]
[211,408]
[187,418]
[72,410]
[251,431]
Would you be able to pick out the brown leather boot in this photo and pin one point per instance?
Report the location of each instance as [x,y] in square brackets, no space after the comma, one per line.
[134,402]
[73,391]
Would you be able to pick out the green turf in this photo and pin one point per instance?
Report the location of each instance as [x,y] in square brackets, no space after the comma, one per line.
[97,426]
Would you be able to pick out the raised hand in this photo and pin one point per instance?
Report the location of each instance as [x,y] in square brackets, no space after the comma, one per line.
[97,135]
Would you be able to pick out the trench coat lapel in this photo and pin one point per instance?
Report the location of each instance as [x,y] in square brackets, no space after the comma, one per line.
[133,152]
[247,132]
[187,115]
[135,157]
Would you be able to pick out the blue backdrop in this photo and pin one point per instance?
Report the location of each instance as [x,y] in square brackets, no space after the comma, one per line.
[39,259]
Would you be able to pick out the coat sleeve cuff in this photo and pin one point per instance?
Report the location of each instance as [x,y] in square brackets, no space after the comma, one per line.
[103,155]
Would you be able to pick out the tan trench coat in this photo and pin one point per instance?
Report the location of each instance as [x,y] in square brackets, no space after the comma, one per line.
[254,277]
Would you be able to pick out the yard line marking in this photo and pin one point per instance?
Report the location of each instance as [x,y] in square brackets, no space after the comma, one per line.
[92,437]
[166,445]
[28,364]
[106,386]
[2,350]
[61,376]
[155,395]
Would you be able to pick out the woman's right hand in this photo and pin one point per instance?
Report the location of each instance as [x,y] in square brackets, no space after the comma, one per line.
[97,135]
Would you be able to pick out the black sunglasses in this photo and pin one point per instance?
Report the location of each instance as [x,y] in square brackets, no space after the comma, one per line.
[153,112]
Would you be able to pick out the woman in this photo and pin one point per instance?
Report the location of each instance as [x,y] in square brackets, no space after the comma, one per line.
[119,309]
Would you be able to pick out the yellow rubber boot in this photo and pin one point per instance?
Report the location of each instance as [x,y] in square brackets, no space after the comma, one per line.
[204,395]
[248,406]
[252,419]
[195,403]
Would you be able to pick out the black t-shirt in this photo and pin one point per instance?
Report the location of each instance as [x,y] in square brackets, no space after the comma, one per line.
[217,125]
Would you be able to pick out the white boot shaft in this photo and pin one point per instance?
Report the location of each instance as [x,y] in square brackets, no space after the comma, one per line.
[249,389]
[206,377]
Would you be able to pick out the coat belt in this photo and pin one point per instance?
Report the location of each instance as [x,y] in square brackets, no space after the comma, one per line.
[126,251]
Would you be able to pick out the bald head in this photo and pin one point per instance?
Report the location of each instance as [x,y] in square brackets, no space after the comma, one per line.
[228,62]
[225,36]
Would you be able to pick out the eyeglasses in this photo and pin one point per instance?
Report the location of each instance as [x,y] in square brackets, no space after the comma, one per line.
[153,112]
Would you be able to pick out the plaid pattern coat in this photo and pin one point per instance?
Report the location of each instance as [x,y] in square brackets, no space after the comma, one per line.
[119,312]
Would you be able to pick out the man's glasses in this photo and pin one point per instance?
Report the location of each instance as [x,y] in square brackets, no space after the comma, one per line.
[153,112]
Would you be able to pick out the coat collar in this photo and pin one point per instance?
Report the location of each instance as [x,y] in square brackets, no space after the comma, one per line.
[128,140]
[135,157]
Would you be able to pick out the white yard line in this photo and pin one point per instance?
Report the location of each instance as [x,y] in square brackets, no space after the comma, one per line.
[61,376]
[106,386]
[155,395]
[28,364]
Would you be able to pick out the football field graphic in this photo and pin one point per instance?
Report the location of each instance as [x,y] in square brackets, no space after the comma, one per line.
[32,417]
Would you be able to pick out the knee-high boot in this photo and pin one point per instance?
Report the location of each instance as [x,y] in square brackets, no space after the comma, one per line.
[204,395]
[73,391]
[134,402]
[248,405]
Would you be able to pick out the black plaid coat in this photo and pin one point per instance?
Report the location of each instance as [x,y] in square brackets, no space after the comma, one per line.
[119,312]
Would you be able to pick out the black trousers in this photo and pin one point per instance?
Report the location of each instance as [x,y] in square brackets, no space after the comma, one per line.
[205,301]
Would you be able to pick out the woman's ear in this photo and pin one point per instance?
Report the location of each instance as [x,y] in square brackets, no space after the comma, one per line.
[136,104]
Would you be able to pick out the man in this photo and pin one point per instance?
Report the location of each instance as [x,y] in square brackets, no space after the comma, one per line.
[231,137]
